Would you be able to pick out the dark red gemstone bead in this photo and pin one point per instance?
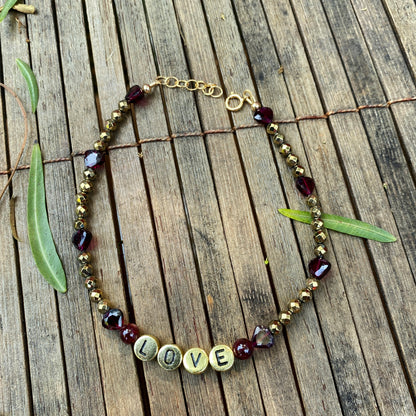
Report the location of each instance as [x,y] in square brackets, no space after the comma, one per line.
[243,348]
[113,319]
[129,334]
[134,94]
[319,268]
[94,159]
[81,239]
[262,337]
[305,185]
[263,115]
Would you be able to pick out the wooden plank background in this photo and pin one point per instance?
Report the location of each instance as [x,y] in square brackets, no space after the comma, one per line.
[181,233]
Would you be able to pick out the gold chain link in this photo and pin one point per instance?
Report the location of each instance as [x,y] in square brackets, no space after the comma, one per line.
[233,102]
[207,88]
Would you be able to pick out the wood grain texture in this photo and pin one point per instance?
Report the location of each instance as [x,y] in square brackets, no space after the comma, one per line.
[143,261]
[182,227]
[44,361]
[84,378]
[14,386]
[109,80]
[371,196]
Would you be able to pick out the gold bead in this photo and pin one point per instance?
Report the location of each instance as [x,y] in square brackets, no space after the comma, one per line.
[123,106]
[284,149]
[312,284]
[278,139]
[146,88]
[81,198]
[90,282]
[169,357]
[96,295]
[320,237]
[285,317]
[100,145]
[90,174]
[195,361]
[294,306]
[221,357]
[255,106]
[316,212]
[317,224]
[117,116]
[298,171]
[103,306]
[292,160]
[86,270]
[275,327]
[105,136]
[320,250]
[110,125]
[84,257]
[146,347]
[85,186]
[80,224]
[305,295]
[312,200]
[81,211]
[272,128]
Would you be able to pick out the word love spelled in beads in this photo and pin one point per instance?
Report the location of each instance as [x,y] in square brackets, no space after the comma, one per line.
[147,347]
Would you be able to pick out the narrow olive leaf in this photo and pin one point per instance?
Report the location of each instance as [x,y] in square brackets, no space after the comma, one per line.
[40,236]
[8,5]
[343,225]
[32,84]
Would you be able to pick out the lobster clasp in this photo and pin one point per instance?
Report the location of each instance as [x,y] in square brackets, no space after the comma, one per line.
[247,96]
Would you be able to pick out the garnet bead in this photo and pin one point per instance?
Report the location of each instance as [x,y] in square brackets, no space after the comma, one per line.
[305,185]
[262,337]
[243,348]
[113,319]
[263,115]
[81,239]
[129,334]
[134,94]
[318,268]
[94,159]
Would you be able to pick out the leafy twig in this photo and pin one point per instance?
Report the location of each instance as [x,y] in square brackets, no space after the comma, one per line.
[32,84]
[24,139]
[343,225]
[40,237]
[9,4]
[22,8]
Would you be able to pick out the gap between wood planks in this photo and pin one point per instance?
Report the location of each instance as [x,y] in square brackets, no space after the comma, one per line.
[387,104]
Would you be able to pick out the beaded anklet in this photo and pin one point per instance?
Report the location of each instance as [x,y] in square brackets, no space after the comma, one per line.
[147,347]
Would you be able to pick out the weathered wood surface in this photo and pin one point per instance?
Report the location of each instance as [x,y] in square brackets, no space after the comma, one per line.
[181,233]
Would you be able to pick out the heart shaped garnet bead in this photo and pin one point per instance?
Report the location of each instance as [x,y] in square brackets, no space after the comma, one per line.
[81,239]
[319,268]
[134,94]
[113,319]
[262,337]
[94,159]
[263,115]
[305,185]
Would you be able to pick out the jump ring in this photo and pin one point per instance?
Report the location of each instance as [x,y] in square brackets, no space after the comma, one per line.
[192,85]
[169,81]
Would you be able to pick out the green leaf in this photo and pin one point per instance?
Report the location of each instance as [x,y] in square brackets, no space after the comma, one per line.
[32,84]
[343,225]
[40,236]
[8,5]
